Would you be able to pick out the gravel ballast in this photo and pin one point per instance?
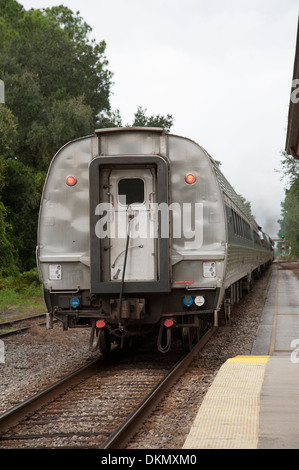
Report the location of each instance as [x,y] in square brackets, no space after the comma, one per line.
[39,357]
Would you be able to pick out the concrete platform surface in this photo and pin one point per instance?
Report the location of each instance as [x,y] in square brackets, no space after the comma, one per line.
[253,402]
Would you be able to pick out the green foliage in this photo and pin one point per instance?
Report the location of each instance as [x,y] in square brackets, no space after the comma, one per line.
[113,119]
[10,13]
[56,79]
[7,252]
[66,120]
[21,197]
[21,293]
[140,119]
[109,119]
[8,138]
[57,88]
[28,280]
[8,132]
[56,85]
[289,223]
[290,168]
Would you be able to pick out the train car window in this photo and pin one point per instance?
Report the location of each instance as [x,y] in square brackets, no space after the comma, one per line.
[240,225]
[243,228]
[131,191]
[239,229]
[248,231]
[235,223]
[256,238]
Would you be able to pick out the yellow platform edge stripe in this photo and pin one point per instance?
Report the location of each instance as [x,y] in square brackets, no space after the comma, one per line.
[251,359]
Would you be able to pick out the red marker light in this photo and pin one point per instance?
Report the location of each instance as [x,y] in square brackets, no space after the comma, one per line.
[71,180]
[190,179]
[168,323]
[100,324]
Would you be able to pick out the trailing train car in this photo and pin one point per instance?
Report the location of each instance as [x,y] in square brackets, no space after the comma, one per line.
[140,232]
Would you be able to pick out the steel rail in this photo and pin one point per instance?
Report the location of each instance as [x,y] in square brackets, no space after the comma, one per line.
[19,320]
[119,438]
[11,325]
[15,414]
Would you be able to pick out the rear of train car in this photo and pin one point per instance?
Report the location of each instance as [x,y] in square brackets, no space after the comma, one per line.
[138,232]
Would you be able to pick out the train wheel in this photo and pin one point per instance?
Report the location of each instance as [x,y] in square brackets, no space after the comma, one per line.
[104,341]
[186,339]
[224,312]
[198,330]
[188,335]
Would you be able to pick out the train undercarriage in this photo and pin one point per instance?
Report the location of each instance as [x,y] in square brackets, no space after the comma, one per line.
[168,316]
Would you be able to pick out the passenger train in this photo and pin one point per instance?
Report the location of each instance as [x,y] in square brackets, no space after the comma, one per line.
[139,232]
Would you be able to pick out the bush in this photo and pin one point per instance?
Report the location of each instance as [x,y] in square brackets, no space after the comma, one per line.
[28,282]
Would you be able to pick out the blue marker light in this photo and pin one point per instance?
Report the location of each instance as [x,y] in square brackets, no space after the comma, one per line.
[75,302]
[188,300]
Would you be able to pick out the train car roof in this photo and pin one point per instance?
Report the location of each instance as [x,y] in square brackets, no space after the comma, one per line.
[292,139]
[135,129]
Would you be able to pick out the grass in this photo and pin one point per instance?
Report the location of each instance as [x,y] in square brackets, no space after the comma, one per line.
[21,296]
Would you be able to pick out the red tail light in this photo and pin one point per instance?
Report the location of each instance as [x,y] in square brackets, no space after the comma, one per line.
[190,179]
[168,323]
[71,180]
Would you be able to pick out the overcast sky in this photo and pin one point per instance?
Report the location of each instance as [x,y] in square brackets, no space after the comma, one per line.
[222,68]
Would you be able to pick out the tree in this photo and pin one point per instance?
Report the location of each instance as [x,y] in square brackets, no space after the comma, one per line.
[8,133]
[113,119]
[289,223]
[46,61]
[8,136]
[109,119]
[140,119]
[57,83]
[10,13]
[87,61]
[7,252]
[21,198]
[290,166]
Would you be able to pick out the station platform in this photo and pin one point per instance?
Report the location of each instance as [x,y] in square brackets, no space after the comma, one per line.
[253,402]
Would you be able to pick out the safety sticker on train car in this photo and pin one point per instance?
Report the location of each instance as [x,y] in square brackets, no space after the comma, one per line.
[54,272]
[209,269]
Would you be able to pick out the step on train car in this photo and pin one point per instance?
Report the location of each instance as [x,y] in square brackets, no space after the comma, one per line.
[140,232]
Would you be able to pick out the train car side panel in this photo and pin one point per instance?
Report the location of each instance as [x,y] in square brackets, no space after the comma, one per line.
[63,232]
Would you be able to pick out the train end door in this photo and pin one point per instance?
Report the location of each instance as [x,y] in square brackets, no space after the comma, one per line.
[126,240]
[131,225]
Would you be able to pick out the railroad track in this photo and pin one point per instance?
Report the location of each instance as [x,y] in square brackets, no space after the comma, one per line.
[21,324]
[99,406]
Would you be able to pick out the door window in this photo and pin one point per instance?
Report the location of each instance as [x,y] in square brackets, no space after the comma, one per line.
[131,191]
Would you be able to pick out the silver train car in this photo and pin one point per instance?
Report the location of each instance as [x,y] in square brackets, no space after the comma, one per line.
[139,233]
